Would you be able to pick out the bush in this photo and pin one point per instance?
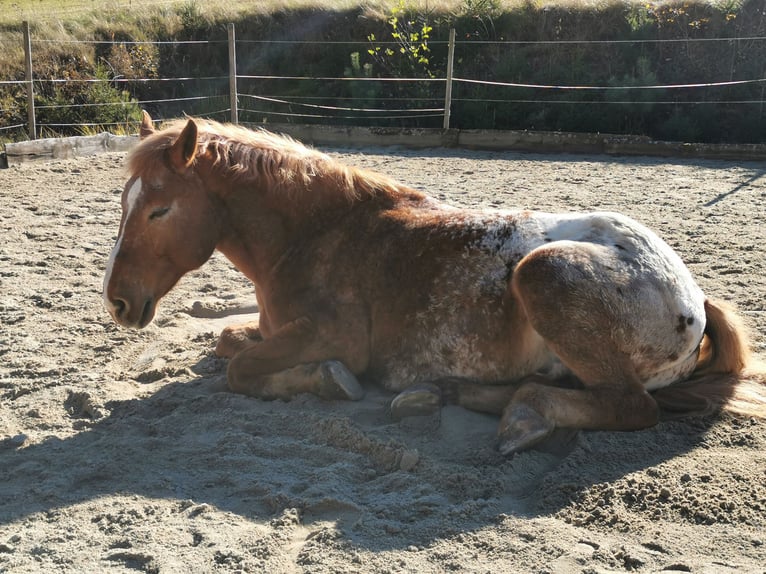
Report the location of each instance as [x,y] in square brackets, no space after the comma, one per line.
[87,102]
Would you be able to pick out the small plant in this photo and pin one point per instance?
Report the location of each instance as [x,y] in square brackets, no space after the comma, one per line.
[481,8]
[482,13]
[117,106]
[12,109]
[729,8]
[192,17]
[639,17]
[364,93]
[410,34]
[138,61]
[357,70]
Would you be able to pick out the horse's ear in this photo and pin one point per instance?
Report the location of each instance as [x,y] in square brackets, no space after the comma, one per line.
[183,151]
[147,127]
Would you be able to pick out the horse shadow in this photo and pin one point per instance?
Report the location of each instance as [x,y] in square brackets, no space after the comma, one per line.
[347,463]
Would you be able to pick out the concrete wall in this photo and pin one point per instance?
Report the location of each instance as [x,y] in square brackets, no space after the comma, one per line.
[540,142]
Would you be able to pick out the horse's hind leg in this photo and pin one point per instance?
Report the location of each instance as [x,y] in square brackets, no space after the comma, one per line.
[427,398]
[480,397]
[537,410]
[493,398]
[573,295]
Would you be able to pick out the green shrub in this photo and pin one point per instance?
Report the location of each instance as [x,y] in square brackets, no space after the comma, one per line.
[410,55]
[98,102]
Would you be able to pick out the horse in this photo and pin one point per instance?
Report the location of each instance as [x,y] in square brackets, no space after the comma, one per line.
[550,320]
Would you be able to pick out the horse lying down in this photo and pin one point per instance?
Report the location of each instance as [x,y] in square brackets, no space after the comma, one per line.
[578,321]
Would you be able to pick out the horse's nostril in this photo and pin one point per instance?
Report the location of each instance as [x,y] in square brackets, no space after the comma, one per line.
[146,313]
[120,307]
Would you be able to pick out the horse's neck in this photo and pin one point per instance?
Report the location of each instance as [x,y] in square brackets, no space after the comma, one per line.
[261,228]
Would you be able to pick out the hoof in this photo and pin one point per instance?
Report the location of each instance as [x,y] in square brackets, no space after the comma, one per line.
[521,428]
[419,400]
[337,382]
[234,339]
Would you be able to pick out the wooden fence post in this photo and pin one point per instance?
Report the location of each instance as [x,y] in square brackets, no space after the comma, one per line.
[448,89]
[30,85]
[233,76]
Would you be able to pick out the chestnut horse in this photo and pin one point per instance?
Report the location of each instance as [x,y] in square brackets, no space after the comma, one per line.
[578,321]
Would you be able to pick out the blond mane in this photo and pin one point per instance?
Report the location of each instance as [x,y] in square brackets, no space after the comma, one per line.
[259,155]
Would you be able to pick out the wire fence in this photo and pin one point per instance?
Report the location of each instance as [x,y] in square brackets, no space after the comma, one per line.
[244,92]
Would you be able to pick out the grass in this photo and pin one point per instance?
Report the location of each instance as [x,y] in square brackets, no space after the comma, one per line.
[68,11]
[40,11]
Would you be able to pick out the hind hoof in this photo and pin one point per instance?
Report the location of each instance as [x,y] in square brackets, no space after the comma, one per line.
[419,400]
[338,383]
[521,428]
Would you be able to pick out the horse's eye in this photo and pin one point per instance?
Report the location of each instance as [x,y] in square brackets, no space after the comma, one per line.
[159,212]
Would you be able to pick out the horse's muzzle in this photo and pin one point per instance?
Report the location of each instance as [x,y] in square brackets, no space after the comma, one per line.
[131,316]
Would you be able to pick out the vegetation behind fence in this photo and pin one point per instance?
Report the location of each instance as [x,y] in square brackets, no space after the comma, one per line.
[684,71]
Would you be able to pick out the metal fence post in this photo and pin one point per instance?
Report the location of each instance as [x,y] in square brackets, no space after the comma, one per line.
[30,85]
[448,89]
[233,76]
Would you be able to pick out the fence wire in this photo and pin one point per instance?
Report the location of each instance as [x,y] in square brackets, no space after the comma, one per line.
[373,107]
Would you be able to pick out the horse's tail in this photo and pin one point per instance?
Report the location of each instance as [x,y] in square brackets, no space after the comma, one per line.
[726,377]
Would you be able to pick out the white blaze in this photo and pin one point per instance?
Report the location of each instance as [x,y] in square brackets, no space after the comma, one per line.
[131,200]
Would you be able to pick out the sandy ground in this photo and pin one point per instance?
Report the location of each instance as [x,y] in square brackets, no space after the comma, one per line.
[121,451]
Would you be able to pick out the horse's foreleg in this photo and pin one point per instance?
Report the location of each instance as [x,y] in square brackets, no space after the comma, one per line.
[236,338]
[289,363]
[327,379]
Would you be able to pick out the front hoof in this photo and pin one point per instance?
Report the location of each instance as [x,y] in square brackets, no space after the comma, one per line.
[336,382]
[228,344]
[521,428]
[419,400]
